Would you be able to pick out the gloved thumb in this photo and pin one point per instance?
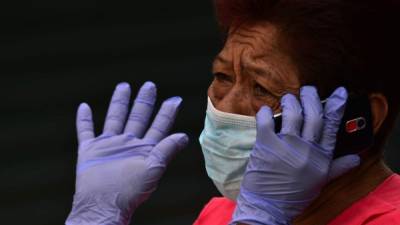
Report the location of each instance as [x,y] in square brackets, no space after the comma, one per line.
[164,151]
[342,165]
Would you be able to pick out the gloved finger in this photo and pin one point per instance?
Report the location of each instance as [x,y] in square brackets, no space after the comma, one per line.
[164,151]
[265,122]
[164,120]
[342,165]
[84,123]
[292,115]
[117,110]
[313,114]
[142,110]
[333,114]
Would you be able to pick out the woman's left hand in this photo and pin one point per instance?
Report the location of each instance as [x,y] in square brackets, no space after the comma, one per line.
[287,171]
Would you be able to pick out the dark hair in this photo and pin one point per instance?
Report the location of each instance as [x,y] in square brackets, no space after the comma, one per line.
[350,43]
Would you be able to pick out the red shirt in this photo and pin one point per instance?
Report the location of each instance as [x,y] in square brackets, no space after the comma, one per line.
[380,207]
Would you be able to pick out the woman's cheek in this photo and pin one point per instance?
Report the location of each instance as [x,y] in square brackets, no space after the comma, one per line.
[218,91]
[257,104]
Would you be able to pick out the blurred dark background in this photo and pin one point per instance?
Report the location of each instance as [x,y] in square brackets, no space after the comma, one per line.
[57,54]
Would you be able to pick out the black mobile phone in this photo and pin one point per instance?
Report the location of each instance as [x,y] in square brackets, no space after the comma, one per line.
[355,134]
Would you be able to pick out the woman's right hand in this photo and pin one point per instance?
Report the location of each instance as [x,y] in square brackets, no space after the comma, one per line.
[119,169]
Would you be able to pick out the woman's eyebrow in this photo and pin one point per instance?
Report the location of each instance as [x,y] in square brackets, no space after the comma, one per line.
[222,63]
[257,70]
[246,66]
[221,59]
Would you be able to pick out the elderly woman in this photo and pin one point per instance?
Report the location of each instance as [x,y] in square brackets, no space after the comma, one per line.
[279,57]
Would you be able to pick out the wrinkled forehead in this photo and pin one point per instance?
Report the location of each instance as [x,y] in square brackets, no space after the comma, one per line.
[255,49]
[261,37]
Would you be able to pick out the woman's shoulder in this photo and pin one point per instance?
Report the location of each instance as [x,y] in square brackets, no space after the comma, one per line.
[380,207]
[389,191]
[218,211]
[389,218]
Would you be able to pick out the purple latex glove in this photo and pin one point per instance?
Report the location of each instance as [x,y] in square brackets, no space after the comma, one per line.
[119,169]
[287,171]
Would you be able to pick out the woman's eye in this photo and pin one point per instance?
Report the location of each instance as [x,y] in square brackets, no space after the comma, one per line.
[223,77]
[261,91]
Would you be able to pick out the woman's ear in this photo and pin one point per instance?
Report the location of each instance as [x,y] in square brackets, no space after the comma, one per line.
[379,108]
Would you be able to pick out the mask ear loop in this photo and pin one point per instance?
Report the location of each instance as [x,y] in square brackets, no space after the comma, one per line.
[278,118]
[241,120]
[280,114]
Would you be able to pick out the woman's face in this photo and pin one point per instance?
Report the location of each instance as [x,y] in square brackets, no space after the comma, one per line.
[252,71]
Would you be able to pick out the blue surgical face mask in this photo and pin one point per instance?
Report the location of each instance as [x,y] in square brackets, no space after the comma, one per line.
[226,141]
